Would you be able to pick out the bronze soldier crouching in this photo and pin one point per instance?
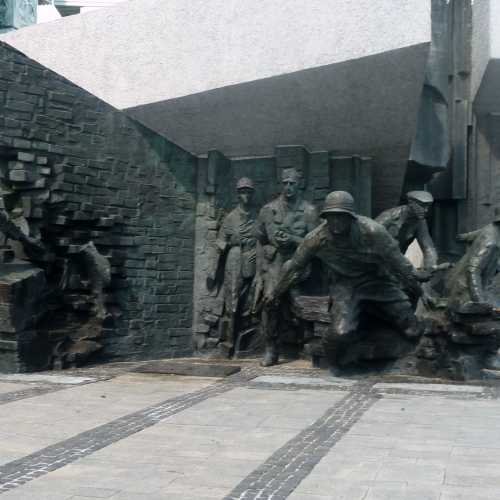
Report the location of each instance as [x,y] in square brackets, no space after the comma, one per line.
[366,269]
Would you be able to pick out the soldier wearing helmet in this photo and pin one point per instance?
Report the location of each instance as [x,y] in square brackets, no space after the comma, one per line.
[281,226]
[407,223]
[366,270]
[235,250]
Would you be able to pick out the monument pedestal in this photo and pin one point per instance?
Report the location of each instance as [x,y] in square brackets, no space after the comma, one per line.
[23,291]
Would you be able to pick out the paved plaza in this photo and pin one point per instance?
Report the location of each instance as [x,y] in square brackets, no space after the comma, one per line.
[111,432]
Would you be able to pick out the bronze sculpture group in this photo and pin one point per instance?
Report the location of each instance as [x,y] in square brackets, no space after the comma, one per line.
[266,257]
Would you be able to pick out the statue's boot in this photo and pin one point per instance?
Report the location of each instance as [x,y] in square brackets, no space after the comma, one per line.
[334,370]
[225,350]
[271,355]
[493,362]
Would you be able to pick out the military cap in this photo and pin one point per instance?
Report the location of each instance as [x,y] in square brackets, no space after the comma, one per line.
[290,174]
[420,196]
[244,183]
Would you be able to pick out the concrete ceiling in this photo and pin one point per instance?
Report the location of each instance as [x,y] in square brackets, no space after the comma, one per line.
[360,105]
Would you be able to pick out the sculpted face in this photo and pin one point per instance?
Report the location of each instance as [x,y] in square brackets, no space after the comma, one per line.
[245,196]
[339,223]
[290,188]
[420,210]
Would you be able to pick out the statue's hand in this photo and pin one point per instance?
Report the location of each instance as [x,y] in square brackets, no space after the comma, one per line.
[414,290]
[258,290]
[429,301]
[444,266]
[283,239]
[210,283]
[423,275]
[271,301]
[35,246]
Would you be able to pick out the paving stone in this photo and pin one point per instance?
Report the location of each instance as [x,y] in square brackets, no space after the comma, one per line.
[51,378]
[237,438]
[430,387]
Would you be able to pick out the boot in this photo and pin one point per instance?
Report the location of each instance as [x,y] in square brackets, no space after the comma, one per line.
[493,362]
[225,350]
[271,354]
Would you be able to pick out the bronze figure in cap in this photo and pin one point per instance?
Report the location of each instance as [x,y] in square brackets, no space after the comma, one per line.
[235,250]
[407,223]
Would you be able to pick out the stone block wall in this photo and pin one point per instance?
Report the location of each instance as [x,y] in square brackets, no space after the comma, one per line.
[78,171]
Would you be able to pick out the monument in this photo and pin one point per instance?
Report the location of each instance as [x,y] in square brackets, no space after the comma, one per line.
[118,243]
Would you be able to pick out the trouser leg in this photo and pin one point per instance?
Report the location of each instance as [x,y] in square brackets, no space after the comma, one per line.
[270,332]
[344,313]
[401,315]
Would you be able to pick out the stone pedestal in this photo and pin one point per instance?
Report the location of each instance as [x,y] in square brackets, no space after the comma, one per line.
[459,345]
[23,292]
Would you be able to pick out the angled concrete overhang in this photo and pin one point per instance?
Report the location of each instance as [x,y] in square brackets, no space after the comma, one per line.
[367,55]
[243,77]
[486,50]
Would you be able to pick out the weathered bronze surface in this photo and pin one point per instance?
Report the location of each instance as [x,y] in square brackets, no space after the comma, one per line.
[235,263]
[367,271]
[407,223]
[281,227]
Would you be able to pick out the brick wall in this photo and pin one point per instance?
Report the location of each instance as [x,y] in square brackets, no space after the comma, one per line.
[82,171]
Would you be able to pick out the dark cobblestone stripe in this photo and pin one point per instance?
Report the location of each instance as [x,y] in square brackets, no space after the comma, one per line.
[30,392]
[277,477]
[19,472]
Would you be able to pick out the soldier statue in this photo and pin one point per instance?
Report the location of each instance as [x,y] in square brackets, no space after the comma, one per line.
[468,281]
[367,272]
[236,255]
[12,229]
[281,226]
[407,223]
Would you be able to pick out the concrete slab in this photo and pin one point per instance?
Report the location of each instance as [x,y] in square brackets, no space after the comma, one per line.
[422,447]
[5,388]
[201,452]
[44,420]
[52,378]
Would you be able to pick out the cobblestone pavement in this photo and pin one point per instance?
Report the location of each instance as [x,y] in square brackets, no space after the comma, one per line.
[284,432]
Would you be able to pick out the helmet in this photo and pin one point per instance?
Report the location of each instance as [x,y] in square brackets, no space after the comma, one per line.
[420,196]
[339,202]
[244,183]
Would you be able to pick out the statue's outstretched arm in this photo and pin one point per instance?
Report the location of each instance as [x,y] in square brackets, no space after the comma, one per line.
[477,264]
[427,245]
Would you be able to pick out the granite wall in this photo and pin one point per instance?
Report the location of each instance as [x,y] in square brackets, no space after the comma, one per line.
[82,171]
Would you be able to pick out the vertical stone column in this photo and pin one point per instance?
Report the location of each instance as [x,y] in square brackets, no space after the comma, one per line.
[15,14]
